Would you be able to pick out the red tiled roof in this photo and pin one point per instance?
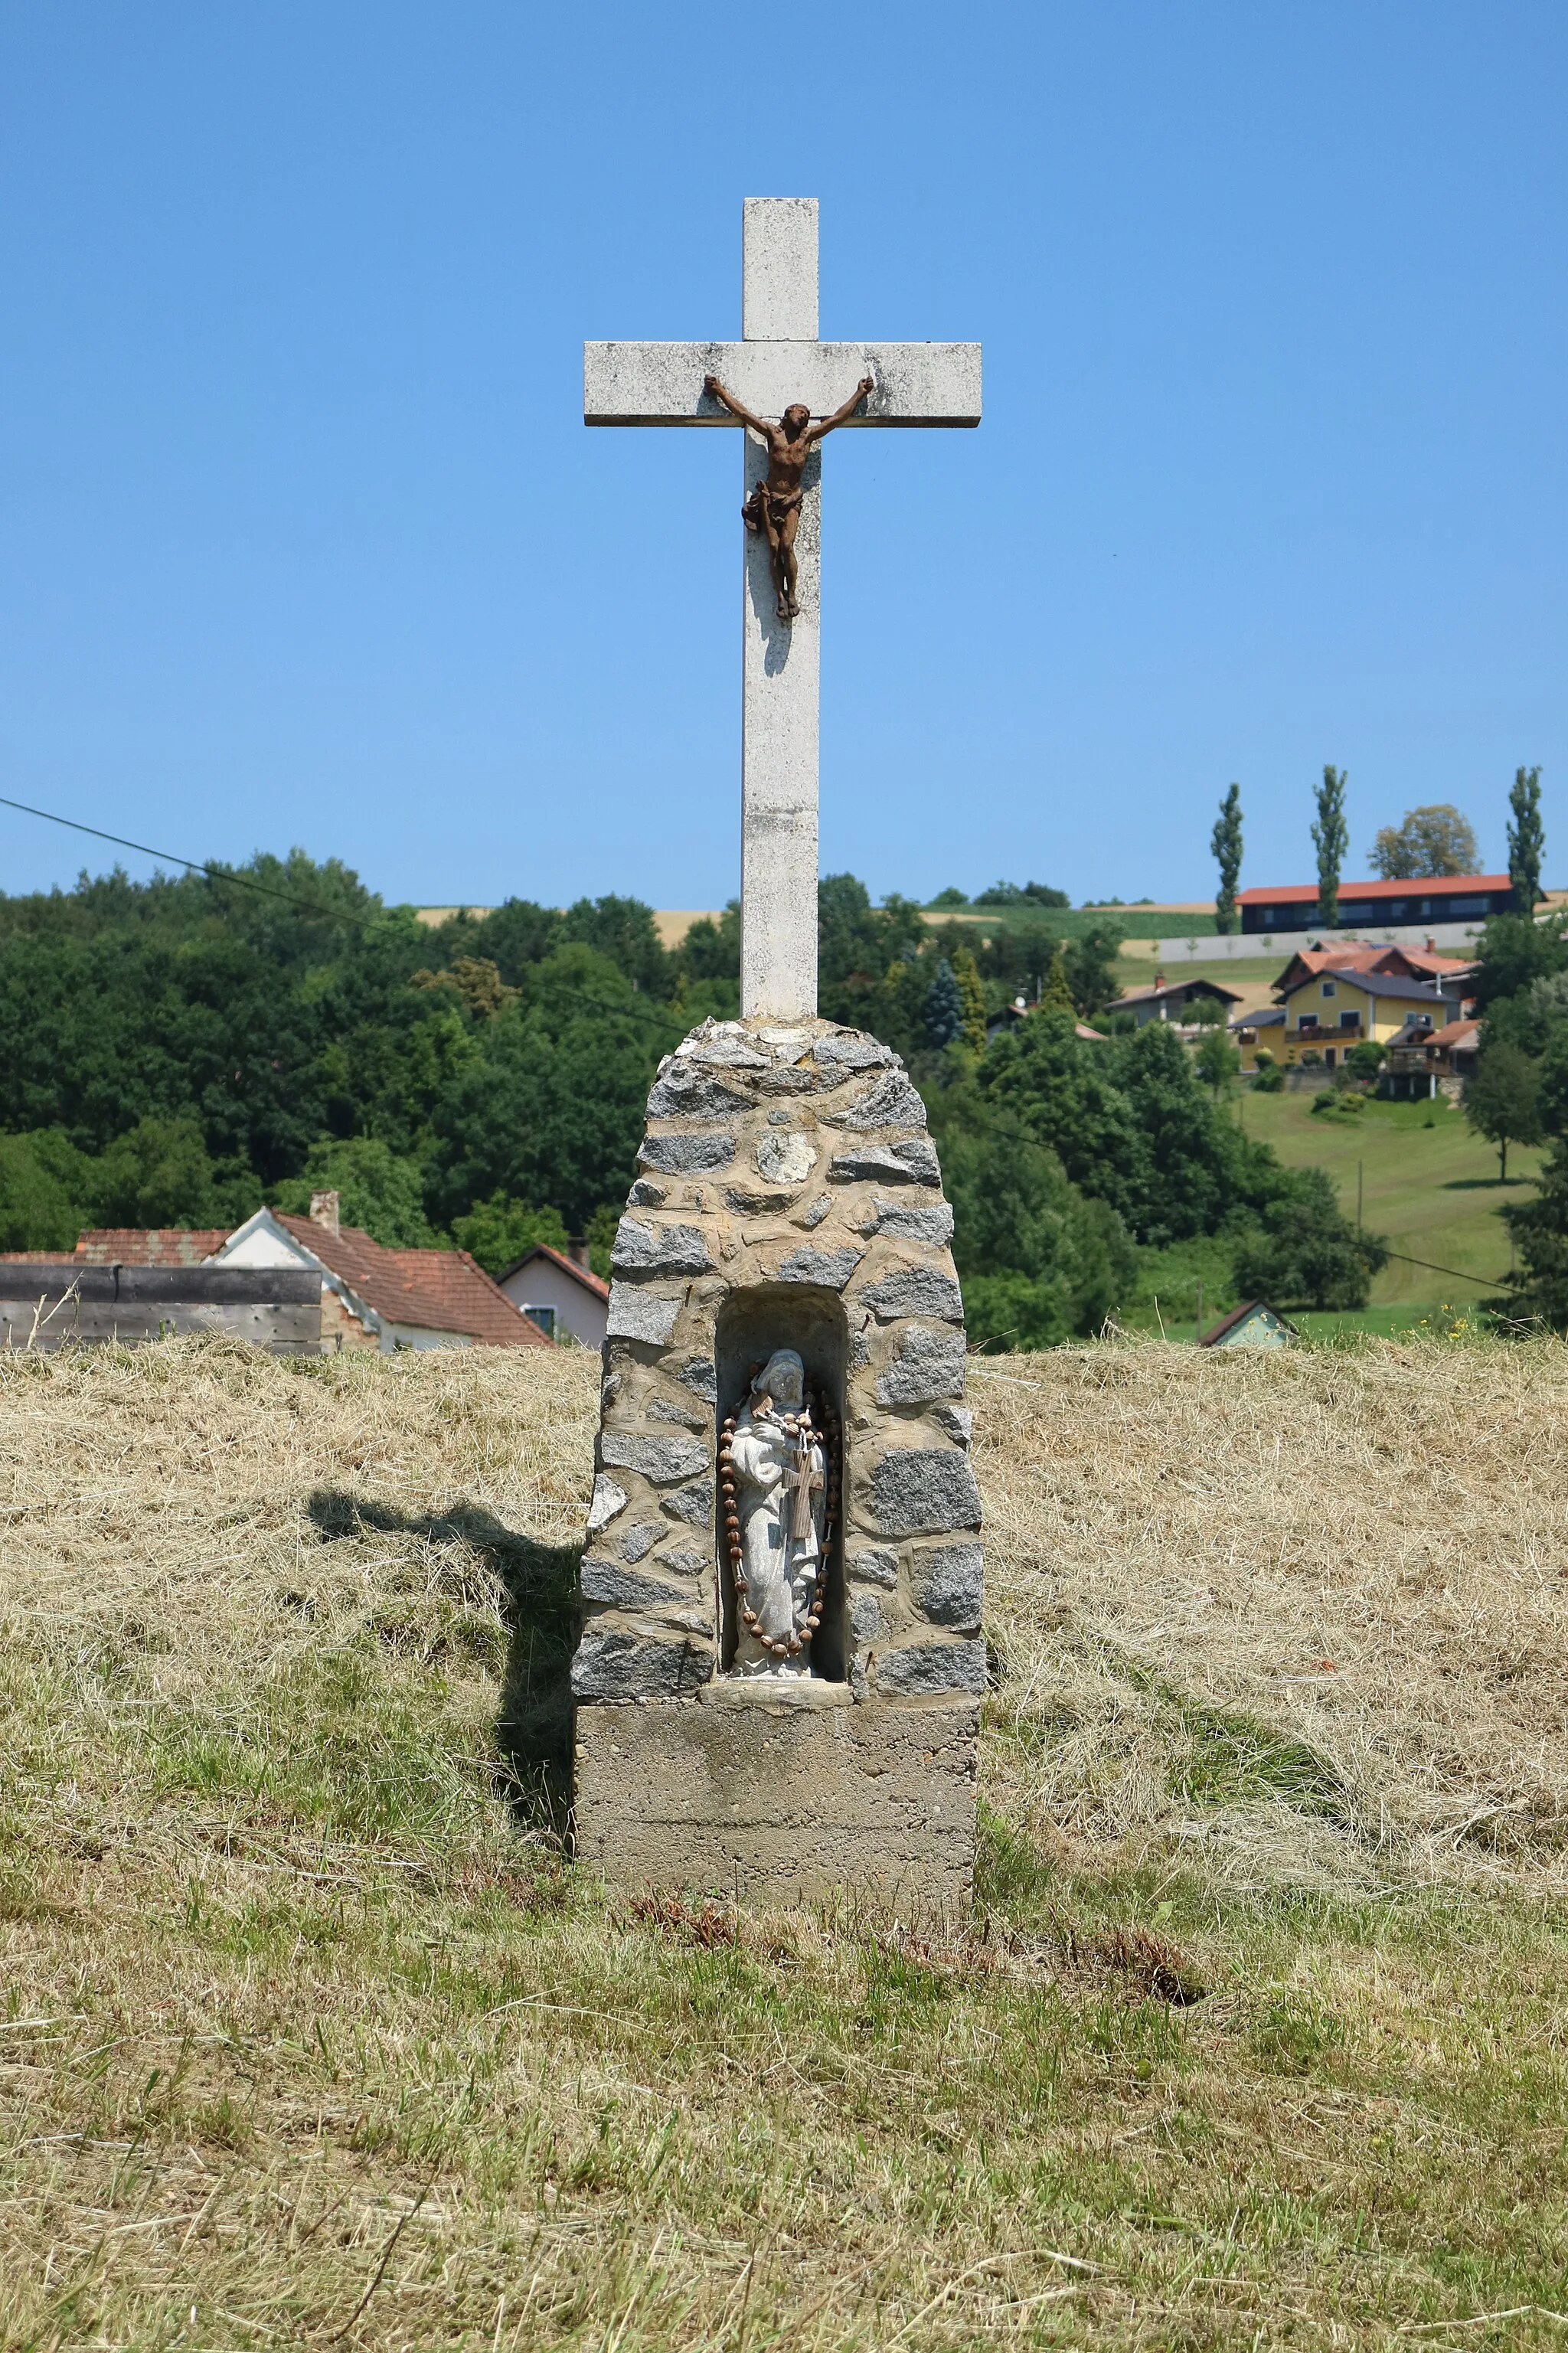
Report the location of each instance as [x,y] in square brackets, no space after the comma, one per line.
[1431,886]
[150,1246]
[583,1275]
[1452,1034]
[437,1289]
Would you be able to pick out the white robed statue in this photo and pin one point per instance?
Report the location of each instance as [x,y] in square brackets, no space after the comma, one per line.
[780,1480]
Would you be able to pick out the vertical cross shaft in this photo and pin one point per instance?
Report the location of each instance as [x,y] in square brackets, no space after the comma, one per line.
[778,361]
[781,660]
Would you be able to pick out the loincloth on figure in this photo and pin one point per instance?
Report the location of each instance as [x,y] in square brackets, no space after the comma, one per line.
[768,509]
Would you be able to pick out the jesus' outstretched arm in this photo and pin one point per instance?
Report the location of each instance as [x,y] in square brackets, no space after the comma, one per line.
[711,383]
[842,415]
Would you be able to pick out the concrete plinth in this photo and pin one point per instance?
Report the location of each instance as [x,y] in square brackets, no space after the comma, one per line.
[768,1799]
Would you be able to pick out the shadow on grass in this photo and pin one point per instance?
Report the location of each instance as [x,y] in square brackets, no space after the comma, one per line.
[533,1729]
[1483,1184]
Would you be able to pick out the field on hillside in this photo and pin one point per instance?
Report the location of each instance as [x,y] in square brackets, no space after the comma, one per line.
[1430,1184]
[310,2036]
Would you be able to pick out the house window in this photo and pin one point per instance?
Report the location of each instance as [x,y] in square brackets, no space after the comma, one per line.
[1330,988]
[1350,1021]
[1328,1058]
[545,1318]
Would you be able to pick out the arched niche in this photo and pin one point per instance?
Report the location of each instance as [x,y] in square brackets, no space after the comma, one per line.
[752,1323]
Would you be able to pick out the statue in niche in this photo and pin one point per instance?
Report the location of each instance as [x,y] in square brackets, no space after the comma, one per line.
[779,1480]
[774,507]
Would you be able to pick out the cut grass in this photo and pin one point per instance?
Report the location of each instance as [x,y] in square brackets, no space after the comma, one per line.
[310,2036]
[1430,1185]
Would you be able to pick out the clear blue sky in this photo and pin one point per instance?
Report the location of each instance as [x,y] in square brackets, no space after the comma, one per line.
[303,538]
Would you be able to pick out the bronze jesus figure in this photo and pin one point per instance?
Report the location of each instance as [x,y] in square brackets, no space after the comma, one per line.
[773,506]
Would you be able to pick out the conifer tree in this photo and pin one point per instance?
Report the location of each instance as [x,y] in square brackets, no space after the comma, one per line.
[971,995]
[1526,840]
[944,1008]
[1330,838]
[1057,994]
[1225,843]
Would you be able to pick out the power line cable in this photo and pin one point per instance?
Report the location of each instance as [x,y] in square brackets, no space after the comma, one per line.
[267,890]
[192,865]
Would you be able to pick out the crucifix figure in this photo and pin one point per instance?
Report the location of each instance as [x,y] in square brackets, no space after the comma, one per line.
[774,507]
[779,369]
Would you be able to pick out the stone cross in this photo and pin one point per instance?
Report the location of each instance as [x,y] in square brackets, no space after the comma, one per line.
[779,360]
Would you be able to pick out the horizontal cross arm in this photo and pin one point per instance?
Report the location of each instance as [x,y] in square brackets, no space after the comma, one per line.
[661,384]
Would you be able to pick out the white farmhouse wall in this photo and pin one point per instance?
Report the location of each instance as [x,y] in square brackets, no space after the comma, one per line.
[578,1310]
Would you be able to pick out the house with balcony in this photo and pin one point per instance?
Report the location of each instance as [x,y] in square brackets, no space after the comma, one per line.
[1331,1011]
[1426,1061]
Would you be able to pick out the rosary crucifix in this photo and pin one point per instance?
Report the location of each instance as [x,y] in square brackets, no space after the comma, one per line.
[779,369]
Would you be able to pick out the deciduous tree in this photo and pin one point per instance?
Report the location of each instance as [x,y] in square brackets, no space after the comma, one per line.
[1434,840]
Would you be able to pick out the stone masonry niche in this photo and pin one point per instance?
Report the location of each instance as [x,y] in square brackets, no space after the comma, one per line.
[751,1325]
[789,1196]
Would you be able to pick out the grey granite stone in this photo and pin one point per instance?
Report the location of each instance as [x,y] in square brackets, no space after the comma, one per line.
[646,1195]
[874,1567]
[829,1270]
[608,1499]
[756,1205]
[660,1459]
[609,1586]
[639,1540]
[813,1216]
[928,1364]
[700,1377]
[913,1161]
[867,1622]
[924,1667]
[676,1410]
[854,1050]
[685,1155]
[924,1491]
[658,1250]
[687,1094]
[622,1666]
[640,1316]
[957,1420]
[949,1585]
[934,1226]
[682,1564]
[915,1290]
[893,1101]
[726,1054]
[778,1117]
[693,1504]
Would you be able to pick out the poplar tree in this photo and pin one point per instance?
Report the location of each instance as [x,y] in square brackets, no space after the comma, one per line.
[1330,838]
[1225,843]
[1526,840]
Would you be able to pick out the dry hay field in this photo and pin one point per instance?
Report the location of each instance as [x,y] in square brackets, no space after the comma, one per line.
[310,2036]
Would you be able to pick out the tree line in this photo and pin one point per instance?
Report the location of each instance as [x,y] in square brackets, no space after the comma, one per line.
[178,1051]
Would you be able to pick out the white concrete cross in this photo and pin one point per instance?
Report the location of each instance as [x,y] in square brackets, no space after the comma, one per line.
[780,360]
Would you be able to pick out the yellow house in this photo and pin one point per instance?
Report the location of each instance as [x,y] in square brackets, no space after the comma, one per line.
[1329,1012]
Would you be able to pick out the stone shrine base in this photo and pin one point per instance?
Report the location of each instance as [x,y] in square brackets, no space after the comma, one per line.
[783,1794]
